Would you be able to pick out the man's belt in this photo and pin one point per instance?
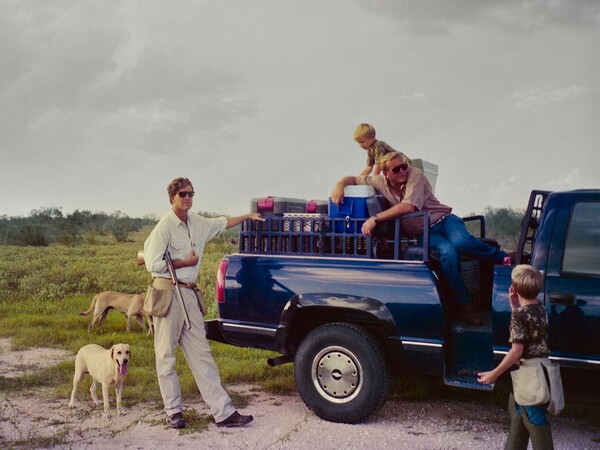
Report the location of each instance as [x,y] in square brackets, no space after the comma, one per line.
[439,220]
[192,286]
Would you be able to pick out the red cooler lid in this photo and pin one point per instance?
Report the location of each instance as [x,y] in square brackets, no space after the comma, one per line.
[265,203]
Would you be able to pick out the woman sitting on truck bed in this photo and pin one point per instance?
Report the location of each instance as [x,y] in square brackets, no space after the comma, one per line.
[408,190]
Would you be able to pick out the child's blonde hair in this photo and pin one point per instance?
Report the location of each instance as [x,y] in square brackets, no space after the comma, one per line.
[527,281]
[364,130]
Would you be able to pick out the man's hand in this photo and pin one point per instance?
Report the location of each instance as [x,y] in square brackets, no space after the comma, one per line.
[368,226]
[191,260]
[233,221]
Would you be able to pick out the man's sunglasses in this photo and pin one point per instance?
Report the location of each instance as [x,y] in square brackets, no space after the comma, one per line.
[398,168]
[184,194]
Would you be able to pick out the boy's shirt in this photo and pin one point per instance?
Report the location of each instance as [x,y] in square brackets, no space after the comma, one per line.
[529,326]
[375,153]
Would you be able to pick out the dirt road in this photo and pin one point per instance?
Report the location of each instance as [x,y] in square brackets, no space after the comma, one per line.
[37,420]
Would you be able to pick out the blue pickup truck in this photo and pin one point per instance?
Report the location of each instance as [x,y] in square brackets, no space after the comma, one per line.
[350,311]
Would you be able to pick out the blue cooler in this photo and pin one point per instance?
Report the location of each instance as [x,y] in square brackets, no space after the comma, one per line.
[354,207]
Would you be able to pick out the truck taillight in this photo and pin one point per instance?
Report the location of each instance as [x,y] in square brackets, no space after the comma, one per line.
[220,287]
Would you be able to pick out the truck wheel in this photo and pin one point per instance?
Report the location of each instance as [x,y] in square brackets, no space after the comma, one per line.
[341,373]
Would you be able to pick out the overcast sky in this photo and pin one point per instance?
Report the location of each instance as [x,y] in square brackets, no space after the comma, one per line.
[103,103]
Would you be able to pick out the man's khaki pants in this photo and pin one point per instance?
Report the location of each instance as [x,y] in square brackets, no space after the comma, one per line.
[171,330]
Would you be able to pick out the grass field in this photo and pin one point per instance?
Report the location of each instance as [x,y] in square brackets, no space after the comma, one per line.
[43,289]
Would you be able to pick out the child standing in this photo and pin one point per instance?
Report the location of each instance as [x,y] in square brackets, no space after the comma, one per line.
[364,135]
[529,339]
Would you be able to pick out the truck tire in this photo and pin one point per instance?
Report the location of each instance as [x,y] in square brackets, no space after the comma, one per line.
[341,373]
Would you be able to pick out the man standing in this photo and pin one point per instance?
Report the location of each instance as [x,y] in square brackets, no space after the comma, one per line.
[407,190]
[184,235]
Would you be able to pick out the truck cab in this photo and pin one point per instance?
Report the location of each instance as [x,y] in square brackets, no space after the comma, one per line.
[564,243]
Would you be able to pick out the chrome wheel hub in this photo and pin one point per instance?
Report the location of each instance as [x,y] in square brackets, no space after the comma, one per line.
[336,374]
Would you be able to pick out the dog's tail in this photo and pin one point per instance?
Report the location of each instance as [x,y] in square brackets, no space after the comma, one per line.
[89,311]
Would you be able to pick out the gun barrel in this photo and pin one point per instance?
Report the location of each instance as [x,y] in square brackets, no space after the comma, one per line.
[173,274]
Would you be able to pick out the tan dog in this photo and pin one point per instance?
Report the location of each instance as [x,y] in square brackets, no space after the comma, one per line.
[106,367]
[132,305]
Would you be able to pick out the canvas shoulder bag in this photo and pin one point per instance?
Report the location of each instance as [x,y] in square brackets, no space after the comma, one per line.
[557,396]
[531,386]
[529,383]
[158,297]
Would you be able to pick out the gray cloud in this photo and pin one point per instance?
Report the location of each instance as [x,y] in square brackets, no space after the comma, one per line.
[528,99]
[261,98]
[87,75]
[437,16]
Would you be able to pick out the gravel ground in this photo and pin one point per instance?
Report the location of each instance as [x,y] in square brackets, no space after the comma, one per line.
[280,422]
[38,420]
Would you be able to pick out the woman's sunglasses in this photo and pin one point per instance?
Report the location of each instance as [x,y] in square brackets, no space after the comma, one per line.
[184,194]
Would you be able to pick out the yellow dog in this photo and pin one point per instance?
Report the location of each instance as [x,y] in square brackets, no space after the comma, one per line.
[132,305]
[106,367]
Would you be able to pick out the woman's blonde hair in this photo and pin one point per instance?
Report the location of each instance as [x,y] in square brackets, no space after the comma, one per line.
[527,280]
[364,130]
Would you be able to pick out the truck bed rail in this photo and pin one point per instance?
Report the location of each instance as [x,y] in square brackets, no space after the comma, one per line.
[321,235]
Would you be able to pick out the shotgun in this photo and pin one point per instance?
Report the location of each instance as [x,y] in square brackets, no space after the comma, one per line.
[173,275]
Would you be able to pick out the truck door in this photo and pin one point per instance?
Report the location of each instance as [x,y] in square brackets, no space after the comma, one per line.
[572,288]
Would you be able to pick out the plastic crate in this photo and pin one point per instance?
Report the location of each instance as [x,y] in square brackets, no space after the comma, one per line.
[429,169]
[302,234]
[304,222]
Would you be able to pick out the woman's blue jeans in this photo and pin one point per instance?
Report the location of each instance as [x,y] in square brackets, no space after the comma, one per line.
[451,238]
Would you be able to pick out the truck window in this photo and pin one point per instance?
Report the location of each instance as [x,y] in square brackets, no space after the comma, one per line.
[581,255]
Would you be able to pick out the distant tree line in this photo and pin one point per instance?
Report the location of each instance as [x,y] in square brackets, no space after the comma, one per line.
[47,226]
[503,224]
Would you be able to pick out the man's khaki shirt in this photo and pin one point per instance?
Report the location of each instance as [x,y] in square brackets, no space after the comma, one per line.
[416,192]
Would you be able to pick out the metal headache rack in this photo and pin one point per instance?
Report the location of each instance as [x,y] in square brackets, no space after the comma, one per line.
[529,226]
